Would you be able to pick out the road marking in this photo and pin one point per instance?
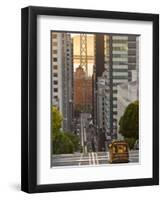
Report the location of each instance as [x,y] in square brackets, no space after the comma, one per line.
[80,159]
[97,161]
[93,159]
[89,158]
[108,156]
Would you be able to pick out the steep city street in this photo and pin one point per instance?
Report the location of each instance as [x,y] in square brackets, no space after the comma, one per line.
[95,98]
[91,158]
[89,148]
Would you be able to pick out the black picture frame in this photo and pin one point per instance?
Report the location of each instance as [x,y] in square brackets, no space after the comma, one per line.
[29,98]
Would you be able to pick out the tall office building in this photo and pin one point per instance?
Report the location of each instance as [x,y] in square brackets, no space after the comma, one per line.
[82,91]
[121,67]
[119,74]
[97,70]
[62,77]
[97,87]
[116,63]
[133,57]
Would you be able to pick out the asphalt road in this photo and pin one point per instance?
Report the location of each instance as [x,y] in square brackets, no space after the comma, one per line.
[91,158]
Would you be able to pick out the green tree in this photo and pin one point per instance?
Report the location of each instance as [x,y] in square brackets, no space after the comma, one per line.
[129,122]
[62,144]
[56,121]
[75,140]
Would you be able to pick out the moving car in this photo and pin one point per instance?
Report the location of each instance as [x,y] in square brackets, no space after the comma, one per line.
[119,152]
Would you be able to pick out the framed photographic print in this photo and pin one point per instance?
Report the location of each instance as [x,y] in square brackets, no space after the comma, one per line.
[90,99]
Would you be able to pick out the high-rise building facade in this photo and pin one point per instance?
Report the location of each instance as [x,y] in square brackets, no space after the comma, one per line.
[126,94]
[82,91]
[97,87]
[118,65]
[121,67]
[62,77]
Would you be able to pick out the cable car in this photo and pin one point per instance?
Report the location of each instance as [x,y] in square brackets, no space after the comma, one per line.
[119,152]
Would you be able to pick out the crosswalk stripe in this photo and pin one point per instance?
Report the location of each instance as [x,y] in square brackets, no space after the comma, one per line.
[89,157]
[80,158]
[97,161]
[93,159]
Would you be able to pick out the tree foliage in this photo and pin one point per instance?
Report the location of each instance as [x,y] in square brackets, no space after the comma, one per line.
[56,121]
[129,122]
[75,140]
[131,142]
[62,142]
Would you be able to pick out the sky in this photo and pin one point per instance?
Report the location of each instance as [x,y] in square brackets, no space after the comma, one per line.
[90,51]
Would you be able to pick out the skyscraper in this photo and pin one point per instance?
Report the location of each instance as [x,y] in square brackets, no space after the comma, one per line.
[82,91]
[121,64]
[97,87]
[116,63]
[62,76]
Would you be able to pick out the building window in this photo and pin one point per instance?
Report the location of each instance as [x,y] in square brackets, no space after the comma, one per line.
[54,43]
[55,66]
[55,90]
[55,74]
[55,51]
[54,36]
[55,82]
[54,59]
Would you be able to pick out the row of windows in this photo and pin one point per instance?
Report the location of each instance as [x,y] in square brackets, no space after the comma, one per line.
[120,77]
[55,59]
[120,41]
[120,74]
[122,48]
[117,37]
[120,55]
[120,59]
[120,63]
[120,70]
[54,36]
